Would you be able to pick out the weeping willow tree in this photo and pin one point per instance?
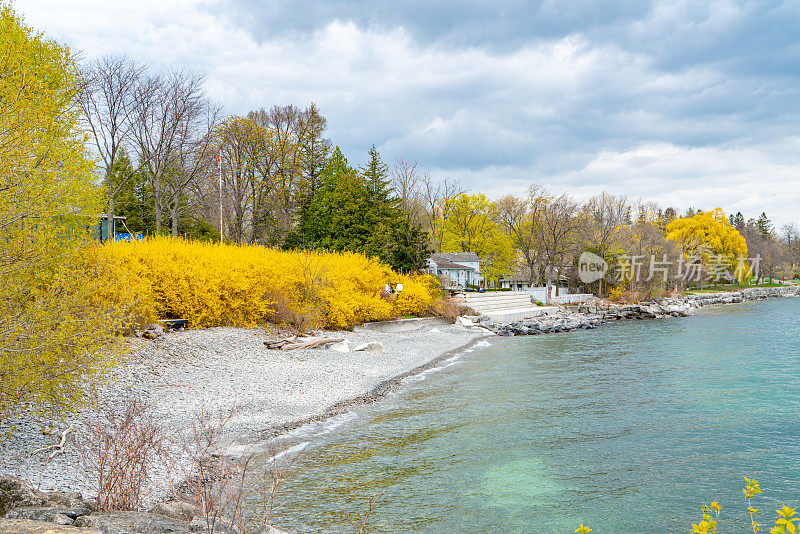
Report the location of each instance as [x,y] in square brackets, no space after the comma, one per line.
[52,323]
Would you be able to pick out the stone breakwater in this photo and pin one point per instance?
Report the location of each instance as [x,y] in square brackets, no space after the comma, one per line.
[593,313]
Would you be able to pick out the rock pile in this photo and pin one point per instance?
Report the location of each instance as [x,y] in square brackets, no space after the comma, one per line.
[595,312]
[563,321]
[24,510]
[672,307]
[753,293]
[17,501]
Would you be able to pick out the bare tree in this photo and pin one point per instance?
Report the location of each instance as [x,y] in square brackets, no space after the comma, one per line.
[291,159]
[194,158]
[516,219]
[406,183]
[606,216]
[166,108]
[238,169]
[107,98]
[435,195]
[557,231]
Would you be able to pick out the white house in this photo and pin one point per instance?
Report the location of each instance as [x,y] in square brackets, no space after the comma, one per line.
[456,269]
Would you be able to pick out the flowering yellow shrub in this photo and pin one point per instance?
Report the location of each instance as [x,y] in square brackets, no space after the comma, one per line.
[214,285]
[418,294]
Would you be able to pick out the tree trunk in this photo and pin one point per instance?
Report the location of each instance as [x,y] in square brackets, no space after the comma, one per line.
[548,284]
[174,216]
[157,208]
[110,236]
[157,215]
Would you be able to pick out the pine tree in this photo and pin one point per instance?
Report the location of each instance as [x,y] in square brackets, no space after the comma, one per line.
[738,221]
[132,200]
[764,225]
[354,210]
[376,173]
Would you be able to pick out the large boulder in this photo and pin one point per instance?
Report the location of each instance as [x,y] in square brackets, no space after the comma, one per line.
[267,529]
[19,501]
[217,526]
[50,515]
[132,523]
[180,510]
[27,526]
[14,494]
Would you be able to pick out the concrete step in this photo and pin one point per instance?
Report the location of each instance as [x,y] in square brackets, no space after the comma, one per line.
[510,299]
[515,303]
[487,307]
[509,316]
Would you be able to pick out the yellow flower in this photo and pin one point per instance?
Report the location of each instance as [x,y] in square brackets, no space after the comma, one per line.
[715,506]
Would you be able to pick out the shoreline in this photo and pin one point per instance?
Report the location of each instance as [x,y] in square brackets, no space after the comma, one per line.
[283,410]
[591,314]
[407,354]
[228,370]
[374,395]
[392,384]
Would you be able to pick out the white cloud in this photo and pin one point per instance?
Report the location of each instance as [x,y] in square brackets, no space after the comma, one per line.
[747,179]
[572,111]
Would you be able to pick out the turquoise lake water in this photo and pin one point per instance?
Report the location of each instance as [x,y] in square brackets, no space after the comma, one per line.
[627,428]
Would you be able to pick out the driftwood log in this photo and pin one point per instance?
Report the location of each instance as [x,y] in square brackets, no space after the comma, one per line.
[56,448]
[299,342]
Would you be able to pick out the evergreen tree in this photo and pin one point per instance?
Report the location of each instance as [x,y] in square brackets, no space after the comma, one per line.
[764,225]
[315,149]
[738,221]
[376,174]
[355,211]
[132,200]
[336,214]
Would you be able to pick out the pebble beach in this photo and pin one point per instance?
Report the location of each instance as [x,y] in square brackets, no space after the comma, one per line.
[223,371]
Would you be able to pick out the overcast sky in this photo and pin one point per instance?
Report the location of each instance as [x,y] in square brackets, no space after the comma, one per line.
[689,103]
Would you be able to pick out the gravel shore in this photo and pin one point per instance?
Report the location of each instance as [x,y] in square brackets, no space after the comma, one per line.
[184,374]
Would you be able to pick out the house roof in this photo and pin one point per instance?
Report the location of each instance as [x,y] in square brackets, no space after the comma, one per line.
[457,256]
[444,263]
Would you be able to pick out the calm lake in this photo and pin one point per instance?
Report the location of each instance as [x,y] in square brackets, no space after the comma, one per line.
[627,428]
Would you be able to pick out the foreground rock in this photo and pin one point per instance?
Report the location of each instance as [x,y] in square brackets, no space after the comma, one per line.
[133,523]
[29,511]
[183,511]
[26,526]
[17,501]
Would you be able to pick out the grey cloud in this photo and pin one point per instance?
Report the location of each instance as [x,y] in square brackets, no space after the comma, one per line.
[564,92]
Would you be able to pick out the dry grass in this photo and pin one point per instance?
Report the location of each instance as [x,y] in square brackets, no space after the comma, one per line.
[450,310]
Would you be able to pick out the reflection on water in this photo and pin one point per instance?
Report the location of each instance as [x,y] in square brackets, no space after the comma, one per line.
[628,428]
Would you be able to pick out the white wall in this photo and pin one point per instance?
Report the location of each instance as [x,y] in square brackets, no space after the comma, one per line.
[539,293]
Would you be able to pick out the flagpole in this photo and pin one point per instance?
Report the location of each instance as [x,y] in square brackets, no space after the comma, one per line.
[219,159]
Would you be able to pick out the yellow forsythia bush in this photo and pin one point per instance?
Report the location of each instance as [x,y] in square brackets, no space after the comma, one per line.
[418,294]
[215,285]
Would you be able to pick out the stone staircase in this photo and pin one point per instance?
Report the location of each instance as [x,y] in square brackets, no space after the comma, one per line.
[503,306]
